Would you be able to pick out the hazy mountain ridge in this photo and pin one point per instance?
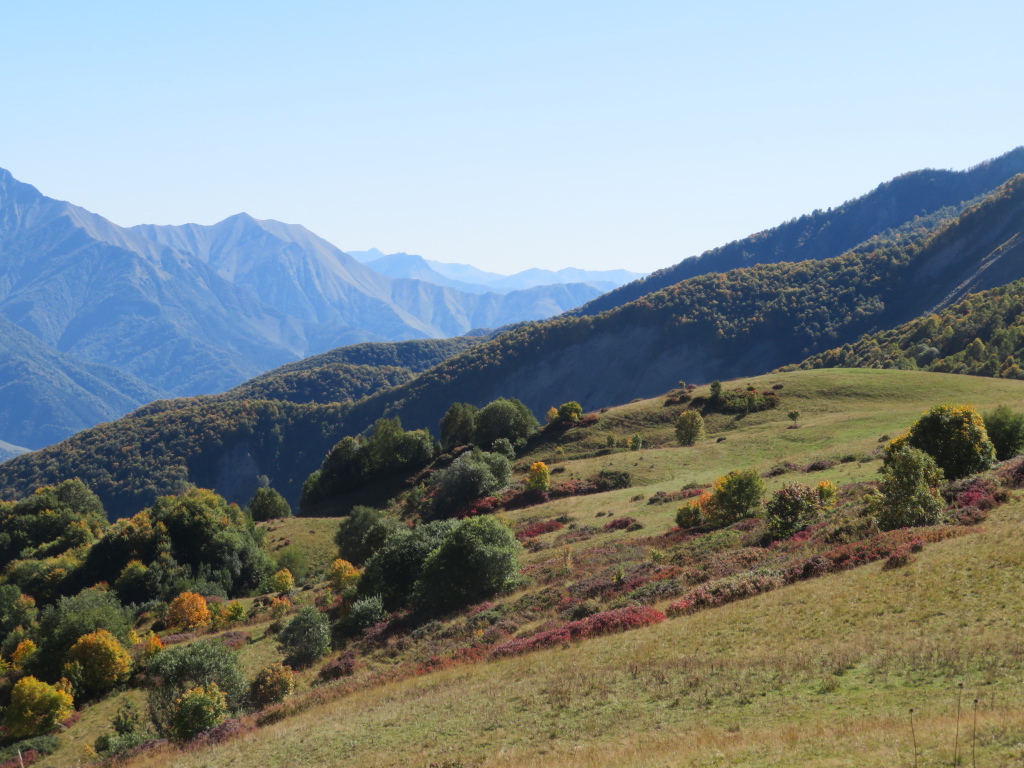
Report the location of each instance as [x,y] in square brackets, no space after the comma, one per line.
[47,394]
[710,326]
[196,309]
[469,278]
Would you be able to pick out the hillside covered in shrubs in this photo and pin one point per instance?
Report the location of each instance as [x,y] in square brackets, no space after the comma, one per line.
[604,532]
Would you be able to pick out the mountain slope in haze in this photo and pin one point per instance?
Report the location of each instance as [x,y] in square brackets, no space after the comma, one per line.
[9,451]
[416,267]
[47,395]
[823,234]
[469,278]
[228,441]
[717,326]
[194,309]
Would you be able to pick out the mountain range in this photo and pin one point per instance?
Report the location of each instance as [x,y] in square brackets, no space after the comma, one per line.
[114,317]
[466,277]
[717,325]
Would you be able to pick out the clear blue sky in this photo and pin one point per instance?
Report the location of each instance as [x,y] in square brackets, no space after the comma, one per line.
[504,134]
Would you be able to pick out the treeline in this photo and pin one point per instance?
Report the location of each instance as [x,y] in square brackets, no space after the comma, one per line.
[333,383]
[167,447]
[983,335]
[416,355]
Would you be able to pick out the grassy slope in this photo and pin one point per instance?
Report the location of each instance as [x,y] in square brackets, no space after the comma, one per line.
[821,673]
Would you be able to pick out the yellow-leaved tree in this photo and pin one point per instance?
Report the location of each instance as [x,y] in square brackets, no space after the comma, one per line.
[96,663]
[36,708]
[343,577]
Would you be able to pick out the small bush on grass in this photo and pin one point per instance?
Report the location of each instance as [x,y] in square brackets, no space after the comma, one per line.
[908,493]
[197,710]
[795,506]
[270,686]
[604,623]
[335,669]
[733,497]
[306,638]
[364,613]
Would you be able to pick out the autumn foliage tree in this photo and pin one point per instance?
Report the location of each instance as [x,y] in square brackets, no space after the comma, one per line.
[188,610]
[270,685]
[282,581]
[539,478]
[953,435]
[96,663]
[36,708]
[343,577]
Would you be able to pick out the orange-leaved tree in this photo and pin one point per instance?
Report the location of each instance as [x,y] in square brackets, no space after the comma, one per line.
[188,610]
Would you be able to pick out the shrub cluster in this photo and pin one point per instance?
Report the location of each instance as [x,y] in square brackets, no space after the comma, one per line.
[538,528]
[604,623]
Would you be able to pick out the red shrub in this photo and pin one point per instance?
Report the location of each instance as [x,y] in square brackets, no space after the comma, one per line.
[620,523]
[538,528]
[335,669]
[604,623]
[235,640]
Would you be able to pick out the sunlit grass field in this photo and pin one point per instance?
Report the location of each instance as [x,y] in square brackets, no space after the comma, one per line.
[820,673]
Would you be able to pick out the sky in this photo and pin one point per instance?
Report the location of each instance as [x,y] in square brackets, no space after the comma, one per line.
[599,135]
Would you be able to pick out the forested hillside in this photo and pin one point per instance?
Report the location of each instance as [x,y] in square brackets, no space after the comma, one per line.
[983,335]
[709,327]
[721,326]
[168,445]
[920,199]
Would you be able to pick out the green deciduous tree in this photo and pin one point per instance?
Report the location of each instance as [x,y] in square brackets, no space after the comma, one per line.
[268,504]
[908,492]
[953,435]
[1005,429]
[471,476]
[458,425]
[689,427]
[504,417]
[392,572]
[305,638]
[478,559]
[363,532]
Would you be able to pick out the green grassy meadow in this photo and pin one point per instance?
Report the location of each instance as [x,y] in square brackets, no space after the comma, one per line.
[822,673]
